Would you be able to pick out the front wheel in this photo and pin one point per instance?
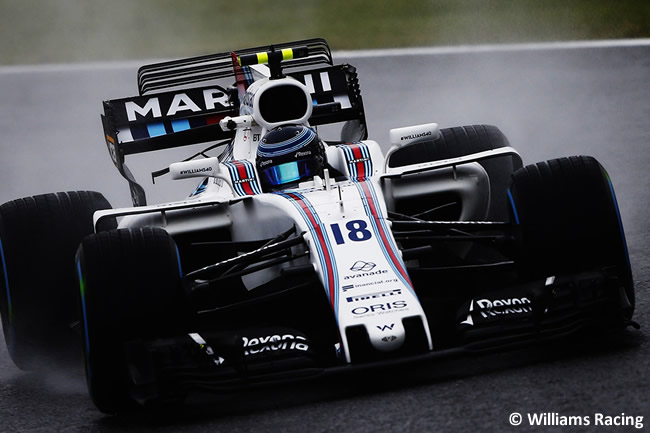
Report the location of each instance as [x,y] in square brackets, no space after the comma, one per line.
[570,221]
[129,285]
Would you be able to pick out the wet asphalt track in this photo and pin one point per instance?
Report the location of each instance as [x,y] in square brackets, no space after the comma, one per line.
[550,103]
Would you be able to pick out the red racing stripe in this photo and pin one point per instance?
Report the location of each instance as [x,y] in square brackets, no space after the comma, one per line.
[241,171]
[358,157]
[321,240]
[382,234]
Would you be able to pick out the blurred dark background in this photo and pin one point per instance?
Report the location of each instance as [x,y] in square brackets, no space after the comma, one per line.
[64,31]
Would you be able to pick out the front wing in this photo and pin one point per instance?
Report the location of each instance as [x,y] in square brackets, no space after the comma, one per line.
[522,315]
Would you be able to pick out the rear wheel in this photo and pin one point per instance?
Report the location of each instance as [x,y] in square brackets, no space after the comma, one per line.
[38,303]
[570,220]
[130,289]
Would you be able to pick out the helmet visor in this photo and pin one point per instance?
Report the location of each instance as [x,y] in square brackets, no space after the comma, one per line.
[289,172]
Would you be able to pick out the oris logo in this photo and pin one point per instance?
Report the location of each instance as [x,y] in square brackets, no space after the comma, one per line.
[361,266]
[379,308]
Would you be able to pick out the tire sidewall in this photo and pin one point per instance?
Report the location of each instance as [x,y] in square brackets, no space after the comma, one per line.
[129,281]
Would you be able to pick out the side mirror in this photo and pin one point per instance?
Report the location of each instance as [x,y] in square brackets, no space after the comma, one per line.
[207,167]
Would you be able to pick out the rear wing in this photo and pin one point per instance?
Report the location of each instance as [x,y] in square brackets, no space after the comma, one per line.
[336,95]
[203,69]
[164,121]
[181,102]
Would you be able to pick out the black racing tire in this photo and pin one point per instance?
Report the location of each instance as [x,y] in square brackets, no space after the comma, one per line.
[570,221]
[130,288]
[452,143]
[466,140]
[39,236]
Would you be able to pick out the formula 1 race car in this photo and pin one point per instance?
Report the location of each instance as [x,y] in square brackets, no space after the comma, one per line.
[298,254]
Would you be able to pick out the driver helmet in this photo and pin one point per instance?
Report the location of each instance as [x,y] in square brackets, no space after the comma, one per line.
[289,154]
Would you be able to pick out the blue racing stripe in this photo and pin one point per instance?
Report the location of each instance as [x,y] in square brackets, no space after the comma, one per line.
[328,247]
[82,290]
[180,125]
[156,129]
[512,206]
[287,146]
[250,170]
[178,260]
[618,216]
[248,75]
[10,311]
[378,224]
[324,251]
[368,163]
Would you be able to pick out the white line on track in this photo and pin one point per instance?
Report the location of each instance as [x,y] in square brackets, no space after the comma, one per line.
[461,49]
[386,52]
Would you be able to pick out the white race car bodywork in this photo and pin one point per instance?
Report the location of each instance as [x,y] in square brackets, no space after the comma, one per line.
[344,223]
[343,220]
